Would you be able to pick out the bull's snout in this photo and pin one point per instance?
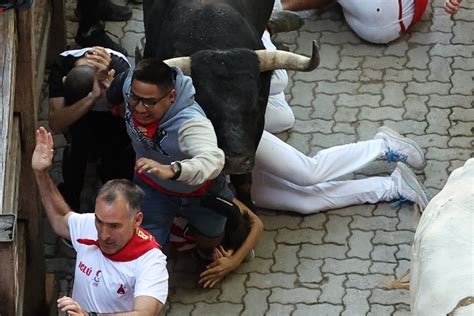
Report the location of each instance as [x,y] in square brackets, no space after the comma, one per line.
[239,164]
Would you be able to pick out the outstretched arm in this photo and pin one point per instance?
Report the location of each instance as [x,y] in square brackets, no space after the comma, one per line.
[56,208]
[227,261]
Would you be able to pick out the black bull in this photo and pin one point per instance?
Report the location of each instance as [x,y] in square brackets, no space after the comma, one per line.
[221,37]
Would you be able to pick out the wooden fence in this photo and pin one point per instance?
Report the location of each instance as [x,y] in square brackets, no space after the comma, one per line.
[24,36]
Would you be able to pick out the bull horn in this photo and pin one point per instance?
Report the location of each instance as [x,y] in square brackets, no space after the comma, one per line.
[271,60]
[183,63]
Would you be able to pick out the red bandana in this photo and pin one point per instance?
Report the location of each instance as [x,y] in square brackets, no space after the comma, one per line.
[420,7]
[141,242]
[150,128]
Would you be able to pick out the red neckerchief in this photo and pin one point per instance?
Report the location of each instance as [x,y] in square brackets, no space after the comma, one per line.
[420,7]
[140,243]
[400,16]
[150,127]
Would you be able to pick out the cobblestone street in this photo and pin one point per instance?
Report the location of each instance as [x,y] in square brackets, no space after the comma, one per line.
[332,263]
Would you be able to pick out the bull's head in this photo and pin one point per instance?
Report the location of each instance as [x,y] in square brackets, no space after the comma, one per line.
[232,87]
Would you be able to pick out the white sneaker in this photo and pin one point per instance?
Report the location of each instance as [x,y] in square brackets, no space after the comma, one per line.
[401,148]
[407,186]
[250,256]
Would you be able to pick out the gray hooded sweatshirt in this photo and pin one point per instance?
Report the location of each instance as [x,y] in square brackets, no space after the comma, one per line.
[184,135]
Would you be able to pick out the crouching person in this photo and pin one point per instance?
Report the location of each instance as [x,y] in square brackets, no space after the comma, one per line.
[243,229]
[178,160]
[120,269]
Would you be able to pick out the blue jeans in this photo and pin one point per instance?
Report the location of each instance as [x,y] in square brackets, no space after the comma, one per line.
[159,209]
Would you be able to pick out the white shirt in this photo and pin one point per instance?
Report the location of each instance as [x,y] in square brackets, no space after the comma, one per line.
[105,286]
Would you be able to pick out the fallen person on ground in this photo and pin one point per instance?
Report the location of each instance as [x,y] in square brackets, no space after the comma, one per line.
[375,21]
[242,231]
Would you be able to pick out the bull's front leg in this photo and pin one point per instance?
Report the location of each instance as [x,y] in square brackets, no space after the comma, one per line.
[242,184]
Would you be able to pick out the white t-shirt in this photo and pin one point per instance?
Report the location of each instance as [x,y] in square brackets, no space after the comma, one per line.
[378,21]
[102,285]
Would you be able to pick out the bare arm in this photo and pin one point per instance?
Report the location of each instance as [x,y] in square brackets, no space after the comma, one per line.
[228,260]
[143,306]
[56,208]
[61,116]
[256,229]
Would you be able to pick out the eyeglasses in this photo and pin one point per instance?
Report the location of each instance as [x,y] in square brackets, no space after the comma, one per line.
[148,103]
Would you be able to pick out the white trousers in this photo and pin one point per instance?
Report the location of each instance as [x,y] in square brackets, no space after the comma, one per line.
[278,115]
[378,21]
[286,179]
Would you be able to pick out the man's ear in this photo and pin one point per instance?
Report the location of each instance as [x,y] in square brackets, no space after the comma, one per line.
[64,79]
[138,219]
[172,95]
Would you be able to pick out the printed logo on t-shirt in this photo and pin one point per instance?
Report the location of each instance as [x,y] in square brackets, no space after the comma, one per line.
[121,289]
[85,269]
[98,276]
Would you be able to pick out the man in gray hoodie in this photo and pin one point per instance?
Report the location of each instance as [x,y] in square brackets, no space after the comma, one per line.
[178,160]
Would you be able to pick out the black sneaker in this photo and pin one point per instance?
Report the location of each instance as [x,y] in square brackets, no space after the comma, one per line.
[112,12]
[96,36]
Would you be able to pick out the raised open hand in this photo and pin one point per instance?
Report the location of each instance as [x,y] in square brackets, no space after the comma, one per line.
[43,153]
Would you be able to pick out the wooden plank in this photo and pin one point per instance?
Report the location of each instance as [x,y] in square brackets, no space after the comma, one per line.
[42,22]
[57,38]
[12,169]
[21,255]
[27,106]
[8,291]
[51,291]
[11,272]
[13,262]
[7,84]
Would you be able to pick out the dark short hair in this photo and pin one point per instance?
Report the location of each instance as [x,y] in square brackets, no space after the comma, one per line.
[78,84]
[234,237]
[154,71]
[112,189]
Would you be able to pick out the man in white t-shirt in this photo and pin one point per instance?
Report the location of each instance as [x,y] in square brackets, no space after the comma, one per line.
[119,266]
[376,21]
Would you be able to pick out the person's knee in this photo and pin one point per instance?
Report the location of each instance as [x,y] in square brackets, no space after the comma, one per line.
[277,122]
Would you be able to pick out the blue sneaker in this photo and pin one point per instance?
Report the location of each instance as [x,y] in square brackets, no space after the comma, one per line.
[400,148]
[407,186]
